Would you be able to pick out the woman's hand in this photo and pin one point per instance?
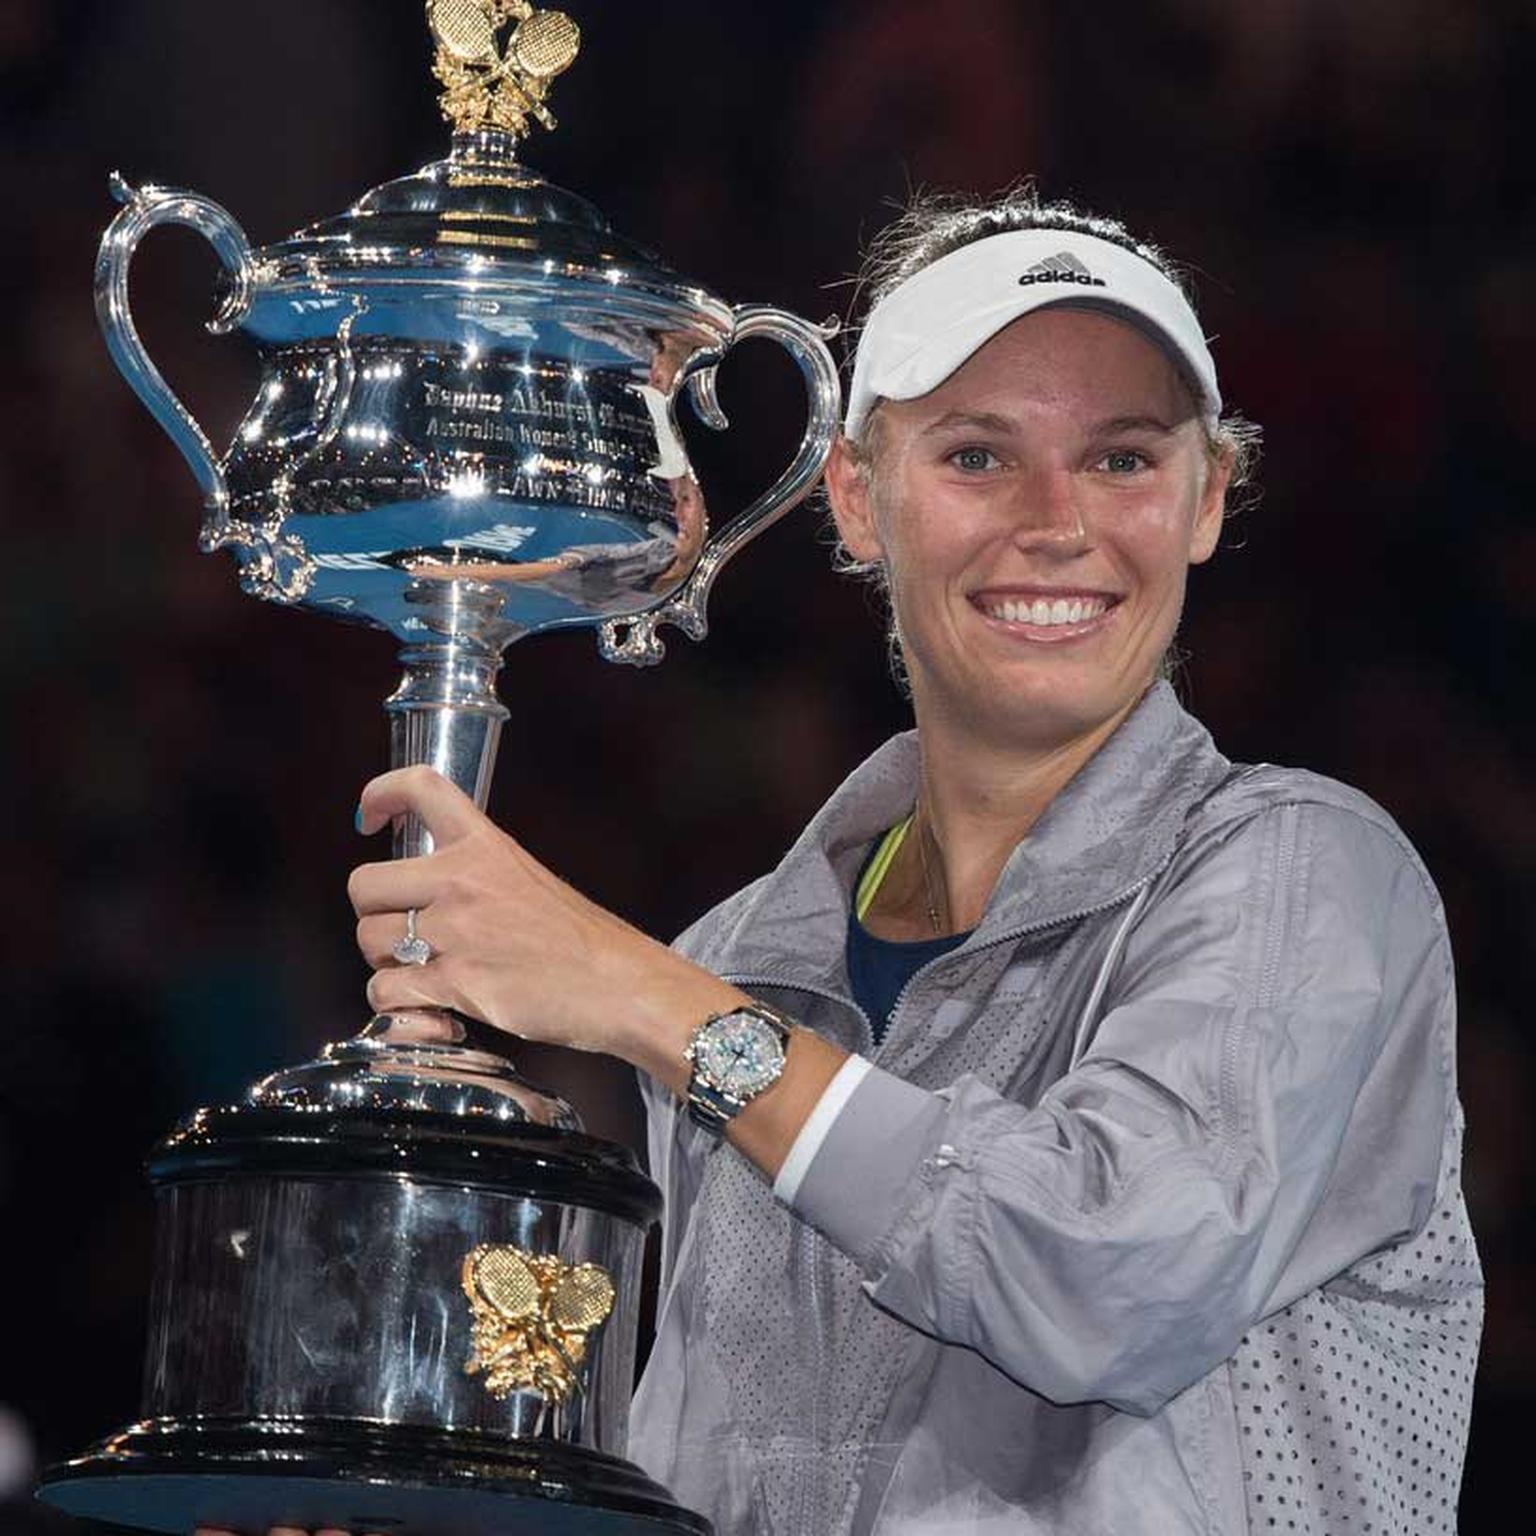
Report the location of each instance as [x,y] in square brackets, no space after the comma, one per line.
[515,946]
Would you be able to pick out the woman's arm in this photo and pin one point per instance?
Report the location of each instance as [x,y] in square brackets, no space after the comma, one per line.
[520,949]
[1264,1103]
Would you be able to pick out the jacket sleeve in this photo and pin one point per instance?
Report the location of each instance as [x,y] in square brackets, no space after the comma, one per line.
[1262,1104]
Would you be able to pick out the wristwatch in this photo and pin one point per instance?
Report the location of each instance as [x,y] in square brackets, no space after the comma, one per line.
[735,1056]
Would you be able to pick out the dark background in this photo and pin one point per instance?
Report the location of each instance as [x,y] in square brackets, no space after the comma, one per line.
[1350,185]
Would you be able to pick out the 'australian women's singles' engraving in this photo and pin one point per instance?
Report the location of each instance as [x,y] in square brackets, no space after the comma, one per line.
[557,437]
[589,446]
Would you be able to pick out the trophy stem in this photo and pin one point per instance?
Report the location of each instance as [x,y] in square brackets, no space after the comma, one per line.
[445,714]
[484,147]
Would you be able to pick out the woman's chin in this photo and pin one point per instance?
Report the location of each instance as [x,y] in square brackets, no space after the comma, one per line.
[1043,710]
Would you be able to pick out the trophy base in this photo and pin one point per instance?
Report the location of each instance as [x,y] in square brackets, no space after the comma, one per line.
[250,1475]
[393,1065]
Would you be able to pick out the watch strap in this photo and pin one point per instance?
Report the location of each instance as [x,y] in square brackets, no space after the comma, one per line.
[711,1107]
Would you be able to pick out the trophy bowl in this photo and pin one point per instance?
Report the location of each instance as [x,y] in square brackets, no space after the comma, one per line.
[397,1288]
[468,377]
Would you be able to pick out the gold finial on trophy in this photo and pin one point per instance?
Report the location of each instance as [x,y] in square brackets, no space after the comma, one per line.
[492,84]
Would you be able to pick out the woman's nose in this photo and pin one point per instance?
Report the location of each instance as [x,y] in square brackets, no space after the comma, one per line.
[1047,510]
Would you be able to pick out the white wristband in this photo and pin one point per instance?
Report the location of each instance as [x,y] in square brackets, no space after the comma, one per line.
[817,1124]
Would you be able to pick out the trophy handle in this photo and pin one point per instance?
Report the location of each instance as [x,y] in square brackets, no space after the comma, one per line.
[144,208]
[635,640]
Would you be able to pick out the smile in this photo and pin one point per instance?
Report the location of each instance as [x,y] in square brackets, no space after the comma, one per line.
[1044,613]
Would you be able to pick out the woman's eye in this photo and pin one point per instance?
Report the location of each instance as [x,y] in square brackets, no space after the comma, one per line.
[1123,461]
[973,460]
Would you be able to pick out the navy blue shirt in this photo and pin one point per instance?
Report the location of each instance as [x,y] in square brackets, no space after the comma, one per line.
[879,968]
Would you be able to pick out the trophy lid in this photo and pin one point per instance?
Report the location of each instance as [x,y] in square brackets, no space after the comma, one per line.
[479,213]
[479,217]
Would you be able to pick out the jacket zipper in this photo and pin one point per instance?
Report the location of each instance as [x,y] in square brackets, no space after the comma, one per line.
[1233,776]
[1009,936]
[816,1492]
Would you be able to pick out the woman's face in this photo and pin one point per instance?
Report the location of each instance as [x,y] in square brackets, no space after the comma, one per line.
[1036,515]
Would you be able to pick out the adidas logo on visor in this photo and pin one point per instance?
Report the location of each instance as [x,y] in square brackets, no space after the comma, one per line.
[1063,268]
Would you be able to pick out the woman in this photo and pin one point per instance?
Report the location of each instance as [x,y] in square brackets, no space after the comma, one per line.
[1064,1137]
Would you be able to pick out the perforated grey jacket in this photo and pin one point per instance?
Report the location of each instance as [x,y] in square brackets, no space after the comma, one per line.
[1148,1218]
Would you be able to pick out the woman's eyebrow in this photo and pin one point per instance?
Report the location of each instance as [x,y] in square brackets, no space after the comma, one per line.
[1131,424]
[989,421]
[984,421]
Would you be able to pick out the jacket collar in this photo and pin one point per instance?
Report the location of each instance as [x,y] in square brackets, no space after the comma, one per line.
[1111,827]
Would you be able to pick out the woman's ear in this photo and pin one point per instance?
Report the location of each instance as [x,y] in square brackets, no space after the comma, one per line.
[850,495]
[1213,506]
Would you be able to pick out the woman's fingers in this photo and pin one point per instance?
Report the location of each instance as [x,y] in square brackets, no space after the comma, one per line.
[395,886]
[445,810]
[276,1530]
[378,935]
[412,986]
[279,1530]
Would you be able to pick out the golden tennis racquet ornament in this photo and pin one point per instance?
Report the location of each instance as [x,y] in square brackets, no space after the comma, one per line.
[489,82]
[532,1314]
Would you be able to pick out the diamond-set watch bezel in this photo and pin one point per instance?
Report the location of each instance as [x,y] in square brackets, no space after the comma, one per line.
[713,1099]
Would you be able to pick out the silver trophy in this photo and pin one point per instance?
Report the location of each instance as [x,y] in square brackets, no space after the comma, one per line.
[397,1288]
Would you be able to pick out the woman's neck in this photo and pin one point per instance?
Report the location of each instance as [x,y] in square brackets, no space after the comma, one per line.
[978,797]
[978,800]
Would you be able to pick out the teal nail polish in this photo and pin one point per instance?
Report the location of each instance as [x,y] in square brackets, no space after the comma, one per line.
[357,819]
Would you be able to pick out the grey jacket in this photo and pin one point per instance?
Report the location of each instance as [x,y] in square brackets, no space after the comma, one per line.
[1148,1218]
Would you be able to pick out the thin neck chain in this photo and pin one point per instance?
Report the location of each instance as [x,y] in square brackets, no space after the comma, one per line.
[920,826]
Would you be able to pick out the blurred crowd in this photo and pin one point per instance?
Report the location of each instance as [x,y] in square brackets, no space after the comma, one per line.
[1350,188]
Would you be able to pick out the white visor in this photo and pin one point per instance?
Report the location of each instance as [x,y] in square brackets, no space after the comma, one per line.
[920,332]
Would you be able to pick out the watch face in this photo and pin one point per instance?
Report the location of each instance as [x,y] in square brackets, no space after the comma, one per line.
[739,1054]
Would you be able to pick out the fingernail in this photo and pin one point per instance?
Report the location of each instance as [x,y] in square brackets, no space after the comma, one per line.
[357,818]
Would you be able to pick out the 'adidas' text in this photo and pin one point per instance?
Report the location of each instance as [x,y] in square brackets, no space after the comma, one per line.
[1061,277]
[1065,268]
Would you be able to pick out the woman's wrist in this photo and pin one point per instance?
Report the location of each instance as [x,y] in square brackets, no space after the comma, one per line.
[767,1128]
[673,998]
[653,1035]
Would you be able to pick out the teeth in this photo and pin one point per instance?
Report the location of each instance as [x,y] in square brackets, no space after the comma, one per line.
[1061,610]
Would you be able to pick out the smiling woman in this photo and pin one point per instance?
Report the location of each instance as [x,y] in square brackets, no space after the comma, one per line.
[1036,514]
[1064,1136]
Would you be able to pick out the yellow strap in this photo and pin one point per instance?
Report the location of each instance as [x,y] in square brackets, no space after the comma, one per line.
[885,854]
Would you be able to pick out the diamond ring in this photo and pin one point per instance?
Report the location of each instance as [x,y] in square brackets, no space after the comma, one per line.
[411,948]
